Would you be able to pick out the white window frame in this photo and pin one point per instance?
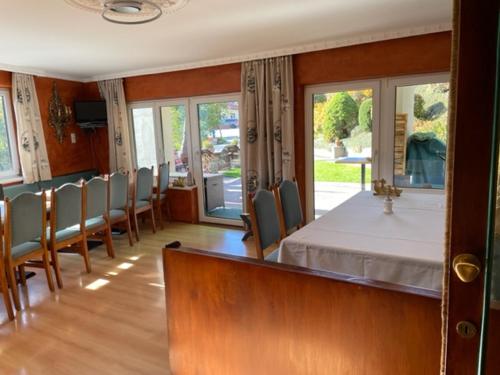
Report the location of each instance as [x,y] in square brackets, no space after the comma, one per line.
[388,96]
[15,172]
[196,153]
[312,90]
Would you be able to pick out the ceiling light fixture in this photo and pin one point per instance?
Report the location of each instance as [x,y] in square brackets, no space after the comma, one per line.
[129,12]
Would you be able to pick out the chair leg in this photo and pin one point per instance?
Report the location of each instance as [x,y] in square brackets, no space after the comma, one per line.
[55,263]
[153,219]
[109,242]
[46,266]
[136,226]
[13,286]
[5,292]
[85,255]
[129,232]
[22,274]
[159,215]
[169,213]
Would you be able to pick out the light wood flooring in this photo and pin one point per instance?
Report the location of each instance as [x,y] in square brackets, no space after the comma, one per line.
[111,321]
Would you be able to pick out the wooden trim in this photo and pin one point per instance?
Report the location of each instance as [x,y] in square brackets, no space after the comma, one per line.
[255,227]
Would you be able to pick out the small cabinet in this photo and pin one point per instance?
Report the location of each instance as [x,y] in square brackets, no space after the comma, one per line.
[183,204]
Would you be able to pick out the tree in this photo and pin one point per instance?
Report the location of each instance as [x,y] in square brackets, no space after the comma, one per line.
[211,117]
[365,117]
[341,116]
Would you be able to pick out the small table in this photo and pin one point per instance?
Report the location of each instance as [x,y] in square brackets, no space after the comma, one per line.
[363,160]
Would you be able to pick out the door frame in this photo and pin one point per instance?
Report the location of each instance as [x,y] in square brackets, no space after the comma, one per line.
[374,85]
[196,154]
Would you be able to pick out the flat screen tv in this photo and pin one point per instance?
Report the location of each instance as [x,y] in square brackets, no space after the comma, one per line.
[91,113]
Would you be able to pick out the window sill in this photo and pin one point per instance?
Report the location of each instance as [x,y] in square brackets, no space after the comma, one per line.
[6,181]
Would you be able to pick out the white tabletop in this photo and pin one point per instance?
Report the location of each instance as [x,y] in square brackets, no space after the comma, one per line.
[358,239]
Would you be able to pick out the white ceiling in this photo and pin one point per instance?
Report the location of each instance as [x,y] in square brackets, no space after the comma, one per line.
[49,37]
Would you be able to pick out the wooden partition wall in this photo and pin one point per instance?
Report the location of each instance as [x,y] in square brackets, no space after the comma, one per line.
[231,315]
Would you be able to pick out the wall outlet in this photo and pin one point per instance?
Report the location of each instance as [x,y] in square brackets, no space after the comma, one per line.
[73,138]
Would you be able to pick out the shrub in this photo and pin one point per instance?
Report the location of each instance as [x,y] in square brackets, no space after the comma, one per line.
[341,116]
[365,117]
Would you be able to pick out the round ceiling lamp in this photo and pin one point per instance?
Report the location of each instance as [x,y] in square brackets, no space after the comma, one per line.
[129,12]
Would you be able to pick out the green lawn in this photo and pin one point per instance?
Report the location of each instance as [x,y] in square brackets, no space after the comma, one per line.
[233,172]
[332,172]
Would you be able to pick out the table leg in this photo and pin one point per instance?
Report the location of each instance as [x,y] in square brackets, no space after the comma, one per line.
[363,174]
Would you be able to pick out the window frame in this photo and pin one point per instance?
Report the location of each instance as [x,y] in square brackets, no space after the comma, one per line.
[15,172]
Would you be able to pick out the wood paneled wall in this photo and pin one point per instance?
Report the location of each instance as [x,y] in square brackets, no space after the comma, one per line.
[229,315]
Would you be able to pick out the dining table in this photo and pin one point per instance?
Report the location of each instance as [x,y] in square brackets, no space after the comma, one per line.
[358,239]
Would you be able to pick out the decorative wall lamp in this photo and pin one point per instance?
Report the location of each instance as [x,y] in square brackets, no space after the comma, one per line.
[59,114]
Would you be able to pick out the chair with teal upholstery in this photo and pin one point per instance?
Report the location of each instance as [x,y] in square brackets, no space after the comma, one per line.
[160,195]
[25,234]
[3,282]
[142,198]
[97,211]
[265,223]
[289,207]
[67,226]
[118,202]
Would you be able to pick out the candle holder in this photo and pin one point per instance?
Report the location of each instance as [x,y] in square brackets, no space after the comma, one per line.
[59,114]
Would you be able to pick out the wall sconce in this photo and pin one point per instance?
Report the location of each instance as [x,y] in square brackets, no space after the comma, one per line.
[59,114]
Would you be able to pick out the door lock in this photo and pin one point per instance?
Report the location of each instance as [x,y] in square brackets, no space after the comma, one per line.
[466,330]
[467,267]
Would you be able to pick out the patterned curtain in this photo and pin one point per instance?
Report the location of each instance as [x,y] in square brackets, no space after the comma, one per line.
[31,140]
[267,119]
[120,157]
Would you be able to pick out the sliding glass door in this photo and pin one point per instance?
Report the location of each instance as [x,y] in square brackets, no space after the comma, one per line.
[217,158]
[341,143]
[201,135]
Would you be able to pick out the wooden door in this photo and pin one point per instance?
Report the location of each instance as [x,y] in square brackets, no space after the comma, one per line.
[472,187]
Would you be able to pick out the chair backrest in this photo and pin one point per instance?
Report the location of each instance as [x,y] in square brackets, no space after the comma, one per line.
[25,218]
[144,184]
[118,190]
[265,221]
[289,200]
[97,197]
[163,177]
[68,206]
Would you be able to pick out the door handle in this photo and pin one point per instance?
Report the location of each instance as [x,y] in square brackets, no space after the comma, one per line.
[467,267]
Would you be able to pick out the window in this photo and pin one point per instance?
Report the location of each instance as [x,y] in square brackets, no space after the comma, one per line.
[143,121]
[420,132]
[9,165]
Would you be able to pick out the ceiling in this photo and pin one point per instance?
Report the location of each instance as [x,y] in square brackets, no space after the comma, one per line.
[52,38]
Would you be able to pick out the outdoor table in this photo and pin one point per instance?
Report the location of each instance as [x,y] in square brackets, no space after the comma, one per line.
[358,239]
[357,160]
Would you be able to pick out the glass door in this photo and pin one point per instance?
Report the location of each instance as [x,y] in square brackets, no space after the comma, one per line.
[175,137]
[146,148]
[217,158]
[341,143]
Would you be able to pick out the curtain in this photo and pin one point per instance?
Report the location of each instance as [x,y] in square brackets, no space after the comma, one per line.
[120,158]
[267,121]
[30,138]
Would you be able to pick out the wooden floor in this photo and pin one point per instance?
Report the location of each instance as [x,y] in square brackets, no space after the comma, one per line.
[111,321]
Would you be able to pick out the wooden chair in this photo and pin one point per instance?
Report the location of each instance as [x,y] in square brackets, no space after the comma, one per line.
[3,279]
[142,198]
[265,223]
[288,203]
[26,239]
[118,201]
[67,225]
[160,195]
[97,212]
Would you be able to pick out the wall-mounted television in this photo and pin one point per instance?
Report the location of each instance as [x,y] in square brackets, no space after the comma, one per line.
[91,113]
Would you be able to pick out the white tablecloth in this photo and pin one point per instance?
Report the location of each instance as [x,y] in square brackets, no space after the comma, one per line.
[358,239]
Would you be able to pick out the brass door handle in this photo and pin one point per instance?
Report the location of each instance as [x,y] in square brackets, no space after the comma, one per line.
[467,267]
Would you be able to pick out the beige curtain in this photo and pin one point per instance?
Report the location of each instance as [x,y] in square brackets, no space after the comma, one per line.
[267,120]
[120,157]
[31,140]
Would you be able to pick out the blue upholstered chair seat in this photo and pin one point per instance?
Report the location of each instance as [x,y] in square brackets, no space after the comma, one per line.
[113,214]
[93,222]
[273,257]
[25,248]
[64,234]
[139,203]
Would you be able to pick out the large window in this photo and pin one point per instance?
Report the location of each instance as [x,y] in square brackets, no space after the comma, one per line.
[9,166]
